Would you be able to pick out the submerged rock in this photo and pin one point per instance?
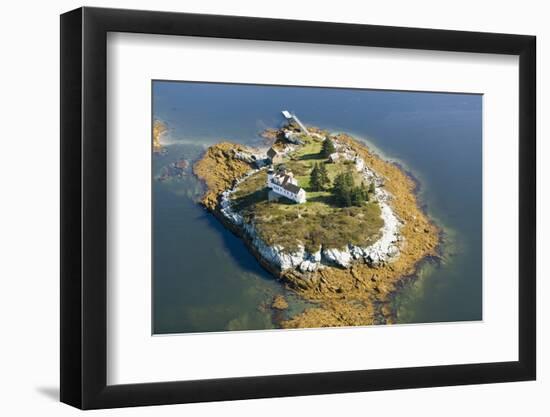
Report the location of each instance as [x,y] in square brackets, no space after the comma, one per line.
[175,170]
[279,303]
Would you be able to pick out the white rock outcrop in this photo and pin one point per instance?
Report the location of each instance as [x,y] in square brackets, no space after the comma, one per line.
[359,164]
[340,257]
[308,266]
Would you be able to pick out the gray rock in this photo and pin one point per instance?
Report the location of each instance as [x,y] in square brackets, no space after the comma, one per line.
[308,266]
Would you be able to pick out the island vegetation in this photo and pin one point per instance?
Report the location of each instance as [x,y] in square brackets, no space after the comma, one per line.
[325,220]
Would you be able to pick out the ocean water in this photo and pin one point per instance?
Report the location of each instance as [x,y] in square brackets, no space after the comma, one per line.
[204,279]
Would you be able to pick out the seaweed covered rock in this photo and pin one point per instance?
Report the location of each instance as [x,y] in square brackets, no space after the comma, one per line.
[219,168]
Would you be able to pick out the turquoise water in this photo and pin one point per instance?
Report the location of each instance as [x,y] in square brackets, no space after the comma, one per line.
[204,279]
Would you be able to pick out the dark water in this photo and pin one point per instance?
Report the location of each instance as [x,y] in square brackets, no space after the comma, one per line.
[204,278]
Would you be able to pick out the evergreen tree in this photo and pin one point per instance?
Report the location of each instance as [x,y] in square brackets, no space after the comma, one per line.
[346,198]
[356,196]
[350,183]
[338,184]
[359,195]
[337,188]
[346,193]
[365,191]
[324,180]
[342,189]
[328,147]
[372,187]
[315,178]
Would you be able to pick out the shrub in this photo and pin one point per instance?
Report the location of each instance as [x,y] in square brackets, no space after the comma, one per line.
[315,178]
[328,147]
[346,193]
[323,176]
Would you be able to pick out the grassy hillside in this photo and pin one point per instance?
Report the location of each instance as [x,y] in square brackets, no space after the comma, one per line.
[318,221]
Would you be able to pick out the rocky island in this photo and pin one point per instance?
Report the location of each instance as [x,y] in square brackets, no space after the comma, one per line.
[336,223]
[159,129]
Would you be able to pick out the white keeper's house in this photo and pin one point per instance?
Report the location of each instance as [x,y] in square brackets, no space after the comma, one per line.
[284,184]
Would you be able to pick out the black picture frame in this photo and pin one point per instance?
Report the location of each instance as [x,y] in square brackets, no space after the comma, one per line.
[84,207]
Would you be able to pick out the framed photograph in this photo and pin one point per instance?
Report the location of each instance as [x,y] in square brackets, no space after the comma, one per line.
[258,208]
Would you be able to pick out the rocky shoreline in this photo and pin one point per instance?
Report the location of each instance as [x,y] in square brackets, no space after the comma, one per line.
[351,284]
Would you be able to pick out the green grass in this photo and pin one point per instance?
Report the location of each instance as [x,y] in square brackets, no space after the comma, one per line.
[303,160]
[251,191]
[317,222]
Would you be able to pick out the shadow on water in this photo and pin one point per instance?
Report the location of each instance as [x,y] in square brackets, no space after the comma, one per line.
[235,246]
